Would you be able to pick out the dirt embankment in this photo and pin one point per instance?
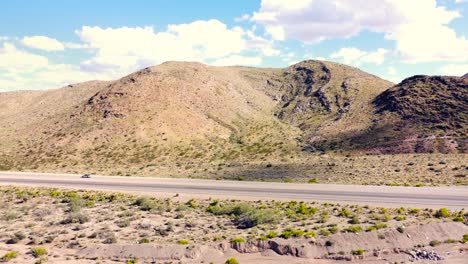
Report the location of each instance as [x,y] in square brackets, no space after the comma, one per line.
[377,247]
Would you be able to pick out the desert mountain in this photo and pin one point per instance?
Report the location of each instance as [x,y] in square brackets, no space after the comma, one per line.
[421,114]
[466,75]
[183,113]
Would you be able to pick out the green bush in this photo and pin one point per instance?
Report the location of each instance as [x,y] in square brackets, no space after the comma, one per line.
[272,234]
[231,261]
[353,229]
[286,234]
[345,213]
[324,232]
[183,242]
[38,251]
[312,180]
[442,213]
[245,215]
[144,240]
[400,217]
[357,252]
[465,238]
[9,256]
[458,219]
[310,234]
[238,240]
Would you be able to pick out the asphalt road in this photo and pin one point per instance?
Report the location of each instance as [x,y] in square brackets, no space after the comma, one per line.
[424,197]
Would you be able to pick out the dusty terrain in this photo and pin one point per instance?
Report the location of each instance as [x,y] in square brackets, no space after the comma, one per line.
[85,227]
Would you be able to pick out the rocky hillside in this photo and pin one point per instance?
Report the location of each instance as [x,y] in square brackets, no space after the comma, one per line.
[421,114]
[178,115]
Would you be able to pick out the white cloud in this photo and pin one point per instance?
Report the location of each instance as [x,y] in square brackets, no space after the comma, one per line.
[23,70]
[72,45]
[43,43]
[126,49]
[276,32]
[461,1]
[455,69]
[263,45]
[238,60]
[391,70]
[14,60]
[244,17]
[355,56]
[420,28]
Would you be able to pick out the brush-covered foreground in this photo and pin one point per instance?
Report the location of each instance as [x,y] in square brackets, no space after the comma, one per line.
[39,225]
[392,170]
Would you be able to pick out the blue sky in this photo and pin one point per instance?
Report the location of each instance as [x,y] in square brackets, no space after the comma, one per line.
[48,44]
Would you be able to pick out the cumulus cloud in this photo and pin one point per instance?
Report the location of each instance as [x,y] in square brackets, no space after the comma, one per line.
[23,70]
[115,52]
[420,28]
[455,69]
[125,49]
[15,60]
[43,43]
[355,56]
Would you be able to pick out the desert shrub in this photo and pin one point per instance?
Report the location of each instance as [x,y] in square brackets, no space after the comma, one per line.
[286,234]
[183,242]
[192,203]
[9,256]
[238,240]
[310,234]
[458,219]
[75,218]
[123,223]
[434,243]
[334,229]
[132,261]
[324,232]
[345,213]
[312,180]
[75,204]
[38,251]
[272,234]
[355,220]
[144,240]
[353,229]
[231,261]
[465,238]
[400,217]
[302,209]
[357,252]
[110,239]
[450,241]
[245,215]
[442,213]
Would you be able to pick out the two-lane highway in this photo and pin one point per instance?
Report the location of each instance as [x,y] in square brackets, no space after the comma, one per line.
[430,197]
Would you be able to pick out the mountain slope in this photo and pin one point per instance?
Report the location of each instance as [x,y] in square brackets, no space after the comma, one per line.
[421,114]
[173,117]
